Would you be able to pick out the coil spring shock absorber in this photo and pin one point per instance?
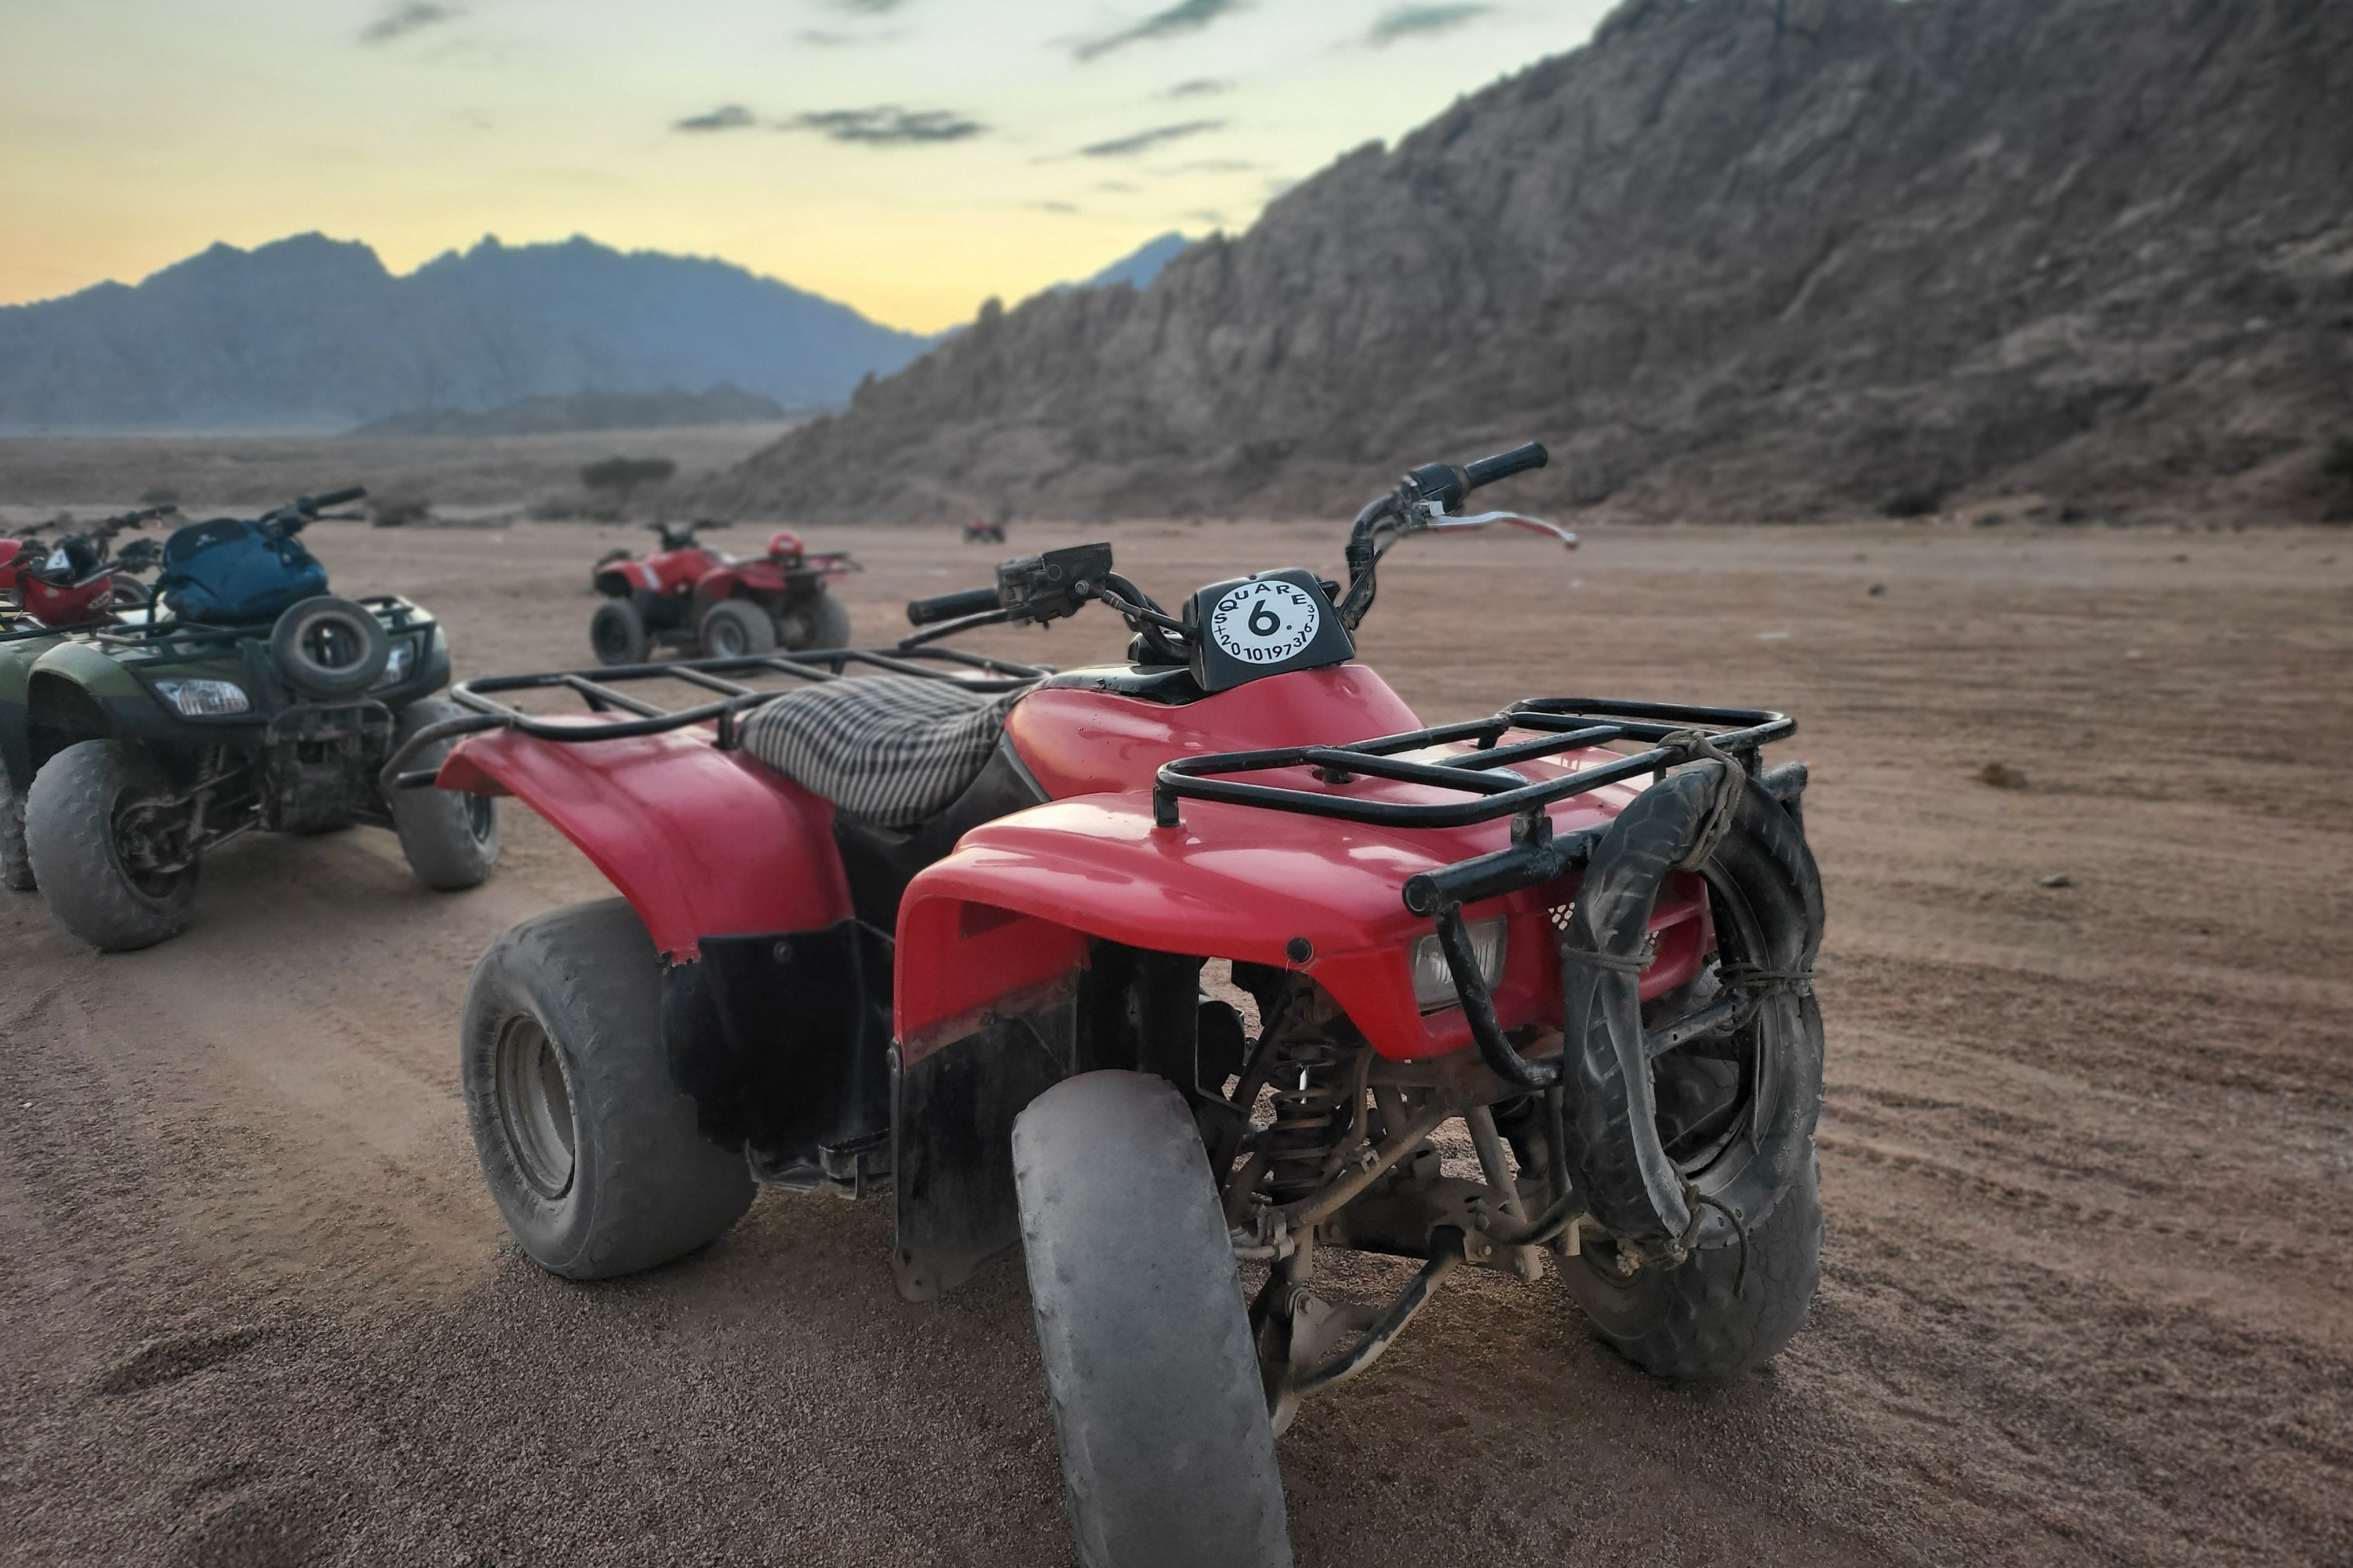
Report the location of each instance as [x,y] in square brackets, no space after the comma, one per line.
[1311,1087]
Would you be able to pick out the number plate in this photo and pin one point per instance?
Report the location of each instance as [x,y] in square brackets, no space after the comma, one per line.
[1264,625]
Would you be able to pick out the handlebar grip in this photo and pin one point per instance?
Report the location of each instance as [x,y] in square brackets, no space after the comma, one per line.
[332,498]
[1502,465]
[950,605]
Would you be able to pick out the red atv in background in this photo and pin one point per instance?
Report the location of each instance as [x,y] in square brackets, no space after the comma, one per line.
[981,530]
[1177,972]
[687,596]
[78,578]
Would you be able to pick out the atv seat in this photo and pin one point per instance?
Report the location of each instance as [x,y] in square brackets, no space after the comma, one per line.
[911,765]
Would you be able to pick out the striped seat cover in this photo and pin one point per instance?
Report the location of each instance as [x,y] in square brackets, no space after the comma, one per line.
[887,751]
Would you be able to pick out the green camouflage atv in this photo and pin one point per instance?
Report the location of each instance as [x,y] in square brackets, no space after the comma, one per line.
[133,745]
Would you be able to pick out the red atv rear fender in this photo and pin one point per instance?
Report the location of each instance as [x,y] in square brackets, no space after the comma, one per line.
[1015,905]
[624,577]
[703,843]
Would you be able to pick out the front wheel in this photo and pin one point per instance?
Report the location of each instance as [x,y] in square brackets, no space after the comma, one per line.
[100,843]
[1725,1311]
[1167,1454]
[616,632]
[590,1149]
[450,839]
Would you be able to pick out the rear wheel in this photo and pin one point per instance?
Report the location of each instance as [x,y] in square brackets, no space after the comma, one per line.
[590,1149]
[97,843]
[817,621]
[15,866]
[616,632]
[450,839]
[1167,1454]
[734,628]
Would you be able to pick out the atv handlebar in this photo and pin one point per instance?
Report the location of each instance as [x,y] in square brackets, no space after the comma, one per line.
[950,605]
[1048,587]
[1444,485]
[312,505]
[1423,502]
[1502,465]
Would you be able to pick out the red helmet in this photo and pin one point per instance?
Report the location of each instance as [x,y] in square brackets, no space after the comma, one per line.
[785,543]
[12,562]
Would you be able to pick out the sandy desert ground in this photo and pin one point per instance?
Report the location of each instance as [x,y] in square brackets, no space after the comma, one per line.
[2087,1154]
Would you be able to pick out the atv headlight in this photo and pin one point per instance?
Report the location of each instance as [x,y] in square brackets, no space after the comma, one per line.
[396,669]
[1434,982]
[205,699]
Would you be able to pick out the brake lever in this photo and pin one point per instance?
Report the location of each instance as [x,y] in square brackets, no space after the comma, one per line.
[1436,523]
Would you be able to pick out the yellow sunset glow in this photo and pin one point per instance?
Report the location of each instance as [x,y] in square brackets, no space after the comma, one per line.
[910,157]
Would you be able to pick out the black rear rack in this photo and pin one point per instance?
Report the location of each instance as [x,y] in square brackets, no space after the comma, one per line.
[731,701]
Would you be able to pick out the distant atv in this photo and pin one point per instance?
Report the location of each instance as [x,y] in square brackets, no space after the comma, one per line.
[77,577]
[244,697]
[686,595]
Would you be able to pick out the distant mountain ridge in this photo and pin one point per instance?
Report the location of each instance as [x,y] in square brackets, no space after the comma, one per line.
[314,334]
[667,409]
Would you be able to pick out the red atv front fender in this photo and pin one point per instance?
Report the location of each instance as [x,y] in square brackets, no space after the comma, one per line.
[703,843]
[1016,905]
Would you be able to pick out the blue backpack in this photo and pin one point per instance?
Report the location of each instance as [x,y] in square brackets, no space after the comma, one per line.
[234,571]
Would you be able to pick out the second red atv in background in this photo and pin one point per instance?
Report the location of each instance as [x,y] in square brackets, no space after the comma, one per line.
[687,596]
[77,577]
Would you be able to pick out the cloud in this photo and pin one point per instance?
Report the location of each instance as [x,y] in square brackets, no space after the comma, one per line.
[888,126]
[1128,146]
[1185,16]
[1061,207]
[1199,87]
[409,16]
[727,117]
[1407,20]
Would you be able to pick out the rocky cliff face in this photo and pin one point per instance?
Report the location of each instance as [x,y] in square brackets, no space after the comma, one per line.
[1735,258]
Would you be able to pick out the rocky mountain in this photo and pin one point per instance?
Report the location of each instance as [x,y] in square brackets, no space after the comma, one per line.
[314,334]
[666,409]
[1769,259]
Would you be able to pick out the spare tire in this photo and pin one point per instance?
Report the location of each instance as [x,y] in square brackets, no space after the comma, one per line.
[329,647]
[1697,1162]
[1766,898]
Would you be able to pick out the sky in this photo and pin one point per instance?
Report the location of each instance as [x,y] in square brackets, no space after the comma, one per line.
[910,157]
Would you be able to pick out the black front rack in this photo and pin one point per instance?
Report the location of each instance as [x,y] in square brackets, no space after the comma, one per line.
[730,700]
[1563,724]
[1568,724]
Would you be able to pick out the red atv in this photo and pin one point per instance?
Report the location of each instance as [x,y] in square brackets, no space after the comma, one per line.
[684,595]
[981,530]
[1177,972]
[78,578]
